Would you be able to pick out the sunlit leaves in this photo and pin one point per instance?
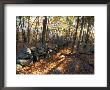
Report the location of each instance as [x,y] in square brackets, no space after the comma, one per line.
[60,63]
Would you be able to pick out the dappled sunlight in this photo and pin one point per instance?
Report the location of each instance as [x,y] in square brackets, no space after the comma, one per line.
[55,45]
[59,63]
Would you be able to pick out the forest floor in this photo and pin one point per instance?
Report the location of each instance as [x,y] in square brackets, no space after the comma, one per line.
[61,63]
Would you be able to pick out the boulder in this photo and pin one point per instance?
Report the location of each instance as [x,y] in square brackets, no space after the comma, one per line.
[25,53]
[24,62]
[18,67]
[57,72]
[33,49]
[24,57]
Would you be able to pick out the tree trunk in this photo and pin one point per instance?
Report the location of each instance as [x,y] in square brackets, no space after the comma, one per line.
[78,46]
[44,30]
[47,37]
[28,35]
[87,35]
[67,31]
[36,29]
[75,34]
[17,34]
[23,33]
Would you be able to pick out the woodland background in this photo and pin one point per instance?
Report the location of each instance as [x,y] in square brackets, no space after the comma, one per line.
[55,44]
